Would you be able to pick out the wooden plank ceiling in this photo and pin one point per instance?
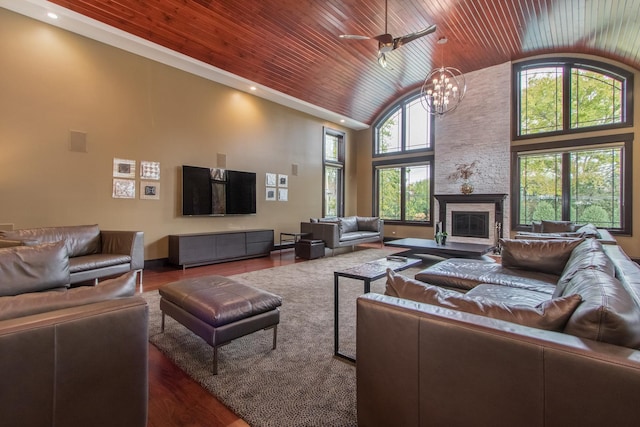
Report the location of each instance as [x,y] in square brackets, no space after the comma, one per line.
[292,46]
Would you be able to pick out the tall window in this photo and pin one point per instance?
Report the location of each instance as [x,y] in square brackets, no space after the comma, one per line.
[585,180]
[403,185]
[567,96]
[333,184]
[404,192]
[573,183]
[406,128]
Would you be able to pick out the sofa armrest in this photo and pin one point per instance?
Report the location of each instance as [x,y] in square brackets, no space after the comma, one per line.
[329,232]
[52,362]
[125,243]
[412,358]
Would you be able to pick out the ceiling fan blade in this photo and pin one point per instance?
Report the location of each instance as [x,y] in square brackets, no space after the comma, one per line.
[399,41]
[354,37]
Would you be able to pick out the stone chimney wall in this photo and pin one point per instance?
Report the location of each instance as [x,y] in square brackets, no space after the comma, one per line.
[478,130]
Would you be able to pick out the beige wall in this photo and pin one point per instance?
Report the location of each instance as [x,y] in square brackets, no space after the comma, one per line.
[132,108]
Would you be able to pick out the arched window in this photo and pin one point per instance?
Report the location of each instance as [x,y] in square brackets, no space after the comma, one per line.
[403,180]
[585,179]
[561,96]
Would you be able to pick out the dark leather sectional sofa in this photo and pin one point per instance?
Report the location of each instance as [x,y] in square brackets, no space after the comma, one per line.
[548,338]
[69,356]
[93,253]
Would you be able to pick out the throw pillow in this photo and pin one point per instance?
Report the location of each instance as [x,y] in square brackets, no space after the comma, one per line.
[368,223]
[349,224]
[552,314]
[556,226]
[546,256]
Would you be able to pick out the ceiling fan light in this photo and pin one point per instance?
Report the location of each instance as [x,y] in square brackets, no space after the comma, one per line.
[382,60]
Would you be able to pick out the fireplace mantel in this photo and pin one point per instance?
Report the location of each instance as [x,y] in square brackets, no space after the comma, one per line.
[497,199]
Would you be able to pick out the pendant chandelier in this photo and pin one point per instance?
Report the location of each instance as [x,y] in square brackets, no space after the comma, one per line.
[443,89]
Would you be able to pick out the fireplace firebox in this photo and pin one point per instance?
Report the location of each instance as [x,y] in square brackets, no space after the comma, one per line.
[470,224]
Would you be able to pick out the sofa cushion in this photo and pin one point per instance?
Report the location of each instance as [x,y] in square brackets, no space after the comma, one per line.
[549,256]
[587,255]
[551,314]
[607,313]
[557,226]
[509,295]
[33,268]
[79,239]
[368,223]
[466,274]
[42,302]
[348,224]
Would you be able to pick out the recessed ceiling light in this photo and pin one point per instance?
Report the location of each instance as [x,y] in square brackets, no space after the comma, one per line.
[253,88]
[341,120]
[52,15]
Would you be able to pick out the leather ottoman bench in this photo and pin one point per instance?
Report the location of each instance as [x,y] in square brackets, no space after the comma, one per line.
[309,249]
[219,309]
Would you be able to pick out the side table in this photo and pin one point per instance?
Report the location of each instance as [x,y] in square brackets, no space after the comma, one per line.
[367,272]
[290,237]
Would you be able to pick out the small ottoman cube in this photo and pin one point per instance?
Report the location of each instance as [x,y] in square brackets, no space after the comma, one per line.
[219,309]
[309,249]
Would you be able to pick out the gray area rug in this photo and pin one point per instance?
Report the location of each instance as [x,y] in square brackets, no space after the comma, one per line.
[299,383]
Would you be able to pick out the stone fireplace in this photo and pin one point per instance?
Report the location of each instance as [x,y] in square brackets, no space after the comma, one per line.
[472,218]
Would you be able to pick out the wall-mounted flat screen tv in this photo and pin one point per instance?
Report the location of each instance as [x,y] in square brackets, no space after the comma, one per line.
[215,191]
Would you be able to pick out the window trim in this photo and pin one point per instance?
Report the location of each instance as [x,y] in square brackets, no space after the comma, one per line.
[402,104]
[403,162]
[568,63]
[571,145]
[340,164]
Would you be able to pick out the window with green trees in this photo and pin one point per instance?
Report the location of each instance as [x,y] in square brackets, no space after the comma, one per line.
[404,192]
[586,179]
[405,128]
[333,183]
[403,183]
[588,184]
[567,96]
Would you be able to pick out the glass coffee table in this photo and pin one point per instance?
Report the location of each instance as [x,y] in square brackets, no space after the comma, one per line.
[367,272]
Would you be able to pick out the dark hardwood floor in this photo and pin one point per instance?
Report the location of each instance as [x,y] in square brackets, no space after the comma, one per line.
[174,398]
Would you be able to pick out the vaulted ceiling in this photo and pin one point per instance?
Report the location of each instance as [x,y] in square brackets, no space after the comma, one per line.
[292,46]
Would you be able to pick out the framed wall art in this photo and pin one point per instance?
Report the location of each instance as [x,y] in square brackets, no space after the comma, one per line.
[123,168]
[283,194]
[149,170]
[271,180]
[149,190]
[270,193]
[124,188]
[283,180]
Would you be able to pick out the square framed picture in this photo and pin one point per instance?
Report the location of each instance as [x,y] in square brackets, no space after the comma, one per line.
[283,194]
[283,180]
[270,193]
[149,190]
[123,168]
[271,179]
[149,170]
[124,188]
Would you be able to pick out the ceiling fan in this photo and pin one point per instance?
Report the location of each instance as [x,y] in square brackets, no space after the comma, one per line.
[386,42]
